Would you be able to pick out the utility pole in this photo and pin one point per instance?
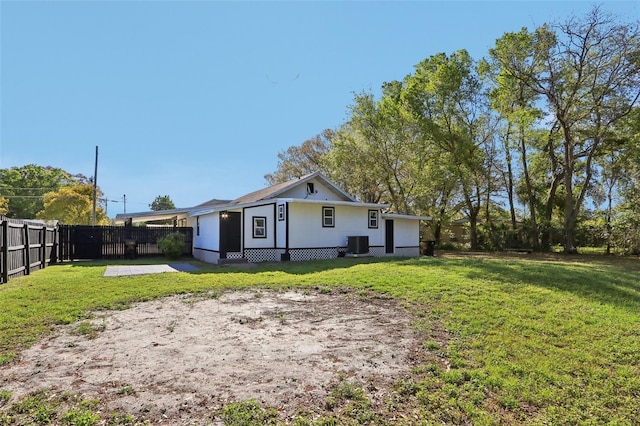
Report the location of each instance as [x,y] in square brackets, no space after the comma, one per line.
[95,189]
[124,197]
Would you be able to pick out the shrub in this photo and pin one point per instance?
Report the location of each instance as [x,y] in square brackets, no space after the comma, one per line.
[172,245]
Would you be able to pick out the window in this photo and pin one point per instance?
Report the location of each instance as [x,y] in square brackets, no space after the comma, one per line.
[280,211]
[197,225]
[259,227]
[328,217]
[310,188]
[373,218]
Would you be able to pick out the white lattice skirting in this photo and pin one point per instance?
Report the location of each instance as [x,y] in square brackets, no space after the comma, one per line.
[377,251]
[303,254]
[263,255]
[300,255]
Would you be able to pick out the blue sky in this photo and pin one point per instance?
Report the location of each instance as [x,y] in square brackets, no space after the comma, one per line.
[195,99]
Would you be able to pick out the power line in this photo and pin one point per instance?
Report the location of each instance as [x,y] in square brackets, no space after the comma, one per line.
[21,196]
[49,188]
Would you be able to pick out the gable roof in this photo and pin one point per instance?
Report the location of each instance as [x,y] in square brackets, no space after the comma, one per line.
[258,196]
[279,188]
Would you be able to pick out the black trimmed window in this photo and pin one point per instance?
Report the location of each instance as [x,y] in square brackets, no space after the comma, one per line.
[328,217]
[259,227]
[280,211]
[373,219]
[197,225]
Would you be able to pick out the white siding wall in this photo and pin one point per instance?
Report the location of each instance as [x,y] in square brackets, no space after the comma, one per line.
[306,230]
[406,233]
[209,237]
[206,256]
[261,211]
[207,243]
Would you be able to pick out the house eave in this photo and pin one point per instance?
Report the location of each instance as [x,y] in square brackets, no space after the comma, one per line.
[335,203]
[227,207]
[405,216]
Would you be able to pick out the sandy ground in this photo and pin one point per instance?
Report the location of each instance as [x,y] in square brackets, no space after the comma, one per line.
[182,358]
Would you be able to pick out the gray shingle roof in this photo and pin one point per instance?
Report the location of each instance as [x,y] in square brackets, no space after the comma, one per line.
[260,195]
[213,202]
[277,189]
[269,192]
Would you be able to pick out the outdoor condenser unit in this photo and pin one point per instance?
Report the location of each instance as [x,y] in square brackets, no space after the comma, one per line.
[358,245]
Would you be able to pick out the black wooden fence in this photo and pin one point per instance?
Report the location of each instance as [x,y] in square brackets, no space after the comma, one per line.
[25,246]
[113,242]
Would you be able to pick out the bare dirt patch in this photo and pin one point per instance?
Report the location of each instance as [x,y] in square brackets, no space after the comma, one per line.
[180,359]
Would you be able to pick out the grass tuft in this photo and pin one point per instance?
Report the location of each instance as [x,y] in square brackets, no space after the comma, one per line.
[126,390]
[248,413]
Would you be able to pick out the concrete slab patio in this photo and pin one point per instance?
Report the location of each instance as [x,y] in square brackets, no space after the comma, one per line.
[127,270]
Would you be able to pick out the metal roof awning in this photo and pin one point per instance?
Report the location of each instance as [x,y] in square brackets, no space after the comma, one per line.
[121,218]
[405,216]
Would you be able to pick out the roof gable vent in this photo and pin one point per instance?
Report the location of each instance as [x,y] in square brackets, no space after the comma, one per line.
[311,188]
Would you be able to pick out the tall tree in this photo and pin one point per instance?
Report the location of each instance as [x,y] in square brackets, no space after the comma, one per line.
[392,146]
[611,170]
[547,175]
[448,99]
[623,220]
[25,186]
[301,160]
[72,205]
[515,105]
[352,166]
[588,74]
[438,192]
[162,202]
[378,152]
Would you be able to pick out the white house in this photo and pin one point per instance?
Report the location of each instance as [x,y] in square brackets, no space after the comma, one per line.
[303,219]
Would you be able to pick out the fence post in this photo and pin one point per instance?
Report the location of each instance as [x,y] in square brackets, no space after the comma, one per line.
[55,231]
[5,251]
[62,243]
[27,250]
[43,248]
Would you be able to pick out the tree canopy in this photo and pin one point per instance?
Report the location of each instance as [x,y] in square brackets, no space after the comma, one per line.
[530,144]
[301,160]
[4,206]
[72,205]
[586,74]
[25,187]
[45,192]
[162,202]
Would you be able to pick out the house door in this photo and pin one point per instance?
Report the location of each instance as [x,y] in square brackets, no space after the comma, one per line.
[230,233]
[388,240]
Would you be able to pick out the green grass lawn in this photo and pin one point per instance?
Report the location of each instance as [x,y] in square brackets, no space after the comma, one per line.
[508,340]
